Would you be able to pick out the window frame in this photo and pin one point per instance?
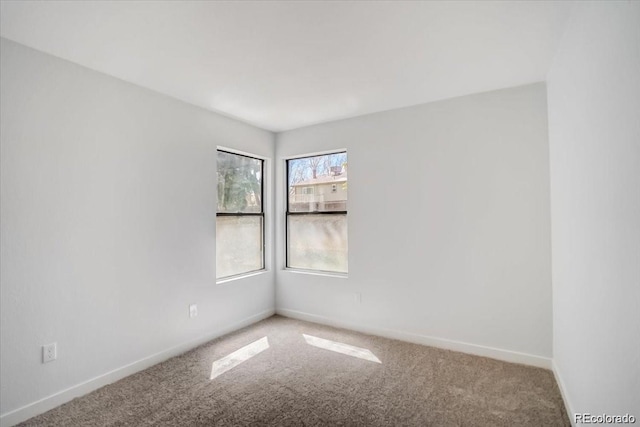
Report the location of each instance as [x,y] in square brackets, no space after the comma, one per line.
[289,213]
[263,165]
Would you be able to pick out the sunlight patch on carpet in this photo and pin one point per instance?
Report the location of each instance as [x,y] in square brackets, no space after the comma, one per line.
[338,347]
[221,366]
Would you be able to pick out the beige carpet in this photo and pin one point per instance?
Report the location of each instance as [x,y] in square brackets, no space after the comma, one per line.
[295,381]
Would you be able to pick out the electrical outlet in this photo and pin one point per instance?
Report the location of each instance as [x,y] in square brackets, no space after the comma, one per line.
[49,352]
[193,310]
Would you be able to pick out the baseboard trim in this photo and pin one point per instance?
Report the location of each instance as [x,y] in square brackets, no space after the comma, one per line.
[563,392]
[478,350]
[43,405]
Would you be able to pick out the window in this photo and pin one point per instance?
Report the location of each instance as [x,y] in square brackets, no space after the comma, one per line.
[240,215]
[317,213]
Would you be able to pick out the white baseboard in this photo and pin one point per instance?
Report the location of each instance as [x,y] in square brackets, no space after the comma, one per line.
[478,350]
[43,405]
[563,393]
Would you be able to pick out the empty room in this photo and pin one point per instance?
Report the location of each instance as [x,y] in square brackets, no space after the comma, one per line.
[319,213]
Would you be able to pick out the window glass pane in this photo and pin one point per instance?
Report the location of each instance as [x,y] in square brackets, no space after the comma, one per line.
[318,184]
[239,183]
[318,242]
[238,245]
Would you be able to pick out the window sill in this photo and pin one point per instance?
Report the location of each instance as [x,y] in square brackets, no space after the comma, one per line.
[228,279]
[318,273]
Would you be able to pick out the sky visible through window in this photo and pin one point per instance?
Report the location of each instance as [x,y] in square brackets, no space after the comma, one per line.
[312,167]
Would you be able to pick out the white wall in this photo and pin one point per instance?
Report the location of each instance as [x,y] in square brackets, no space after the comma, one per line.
[108,226]
[594,125]
[449,228]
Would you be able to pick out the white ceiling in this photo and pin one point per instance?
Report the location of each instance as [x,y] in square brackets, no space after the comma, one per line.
[283,65]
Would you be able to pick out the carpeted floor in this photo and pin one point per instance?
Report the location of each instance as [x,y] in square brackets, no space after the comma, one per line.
[295,381]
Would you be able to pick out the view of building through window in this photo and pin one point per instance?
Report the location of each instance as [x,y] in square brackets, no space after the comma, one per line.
[317,213]
[240,215]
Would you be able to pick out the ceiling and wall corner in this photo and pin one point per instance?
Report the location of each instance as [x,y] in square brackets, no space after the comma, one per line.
[285,65]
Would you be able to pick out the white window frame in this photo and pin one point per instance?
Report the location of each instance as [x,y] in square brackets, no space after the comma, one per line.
[266,208]
[285,267]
